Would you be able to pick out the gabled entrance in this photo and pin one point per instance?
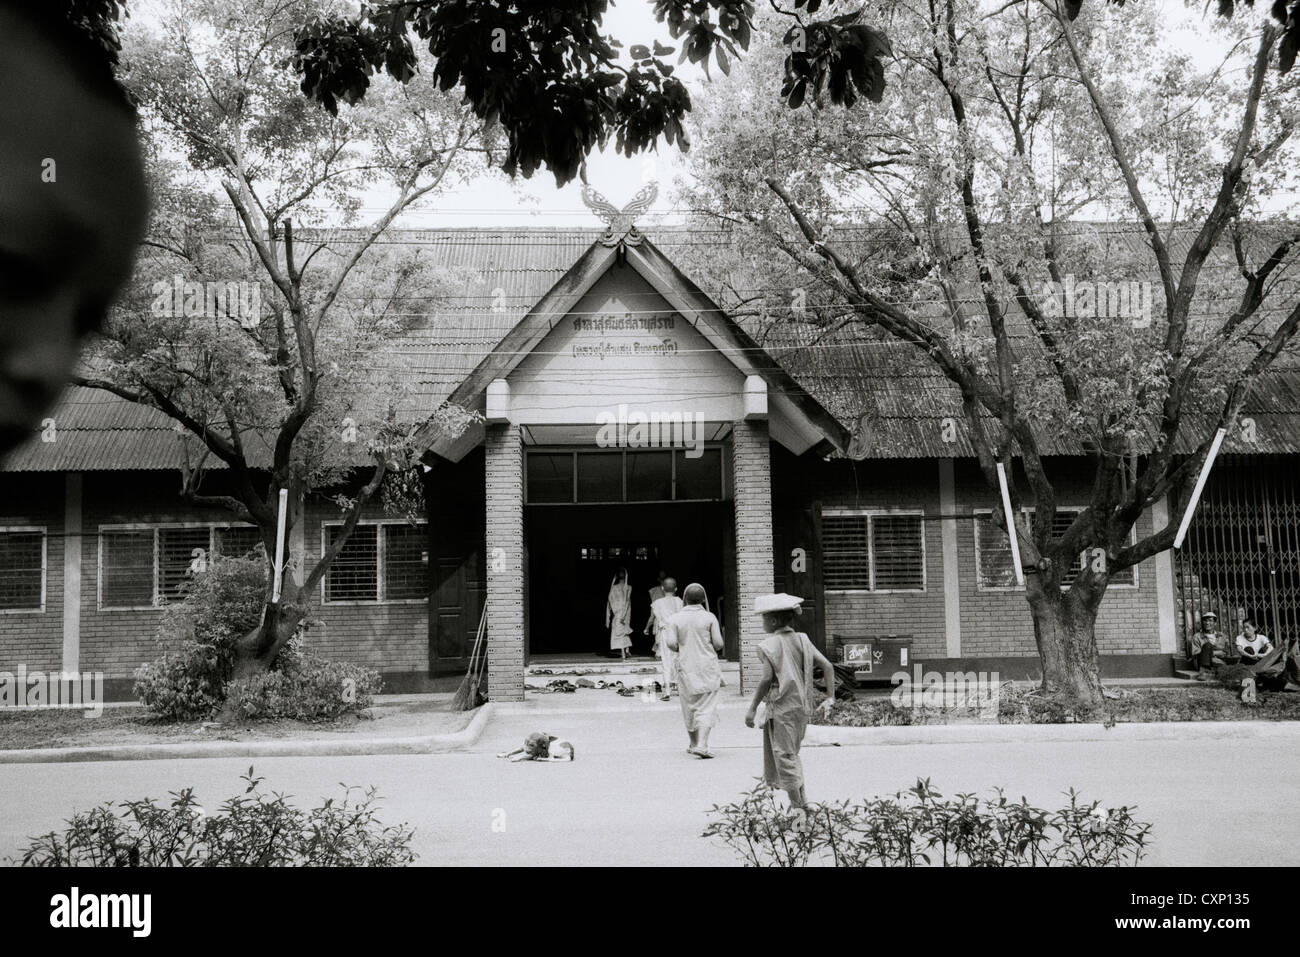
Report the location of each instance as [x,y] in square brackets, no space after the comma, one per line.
[629,416]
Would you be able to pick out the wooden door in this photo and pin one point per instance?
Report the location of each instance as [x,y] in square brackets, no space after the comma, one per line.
[458,584]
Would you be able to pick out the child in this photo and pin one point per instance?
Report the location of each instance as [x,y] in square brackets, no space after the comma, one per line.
[786,687]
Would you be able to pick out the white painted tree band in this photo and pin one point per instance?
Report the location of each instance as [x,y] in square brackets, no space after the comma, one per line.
[279,545]
[1011,526]
[1200,485]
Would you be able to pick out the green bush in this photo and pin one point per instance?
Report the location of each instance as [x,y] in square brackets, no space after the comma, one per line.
[251,830]
[921,827]
[306,688]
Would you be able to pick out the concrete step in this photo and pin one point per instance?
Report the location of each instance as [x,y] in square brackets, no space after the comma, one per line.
[637,667]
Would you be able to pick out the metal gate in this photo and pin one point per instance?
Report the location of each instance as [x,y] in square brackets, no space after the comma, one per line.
[1241,557]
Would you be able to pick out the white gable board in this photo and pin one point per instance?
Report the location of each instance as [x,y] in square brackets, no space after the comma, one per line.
[623,350]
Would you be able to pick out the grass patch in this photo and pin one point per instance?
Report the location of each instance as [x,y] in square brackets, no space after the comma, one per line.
[1021,705]
[134,725]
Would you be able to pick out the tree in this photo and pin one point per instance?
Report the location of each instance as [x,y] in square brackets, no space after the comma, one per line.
[996,136]
[549,78]
[253,334]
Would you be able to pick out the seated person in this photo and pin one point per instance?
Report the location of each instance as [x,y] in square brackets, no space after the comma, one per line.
[1251,645]
[1207,648]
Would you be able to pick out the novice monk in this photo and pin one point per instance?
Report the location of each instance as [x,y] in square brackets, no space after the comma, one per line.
[788,657]
[661,611]
[694,636]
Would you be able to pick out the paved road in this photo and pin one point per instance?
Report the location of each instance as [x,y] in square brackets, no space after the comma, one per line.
[635,797]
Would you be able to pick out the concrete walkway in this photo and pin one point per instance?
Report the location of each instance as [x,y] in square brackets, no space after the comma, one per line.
[602,718]
[634,797]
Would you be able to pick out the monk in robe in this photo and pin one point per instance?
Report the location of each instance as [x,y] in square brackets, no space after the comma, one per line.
[661,611]
[694,637]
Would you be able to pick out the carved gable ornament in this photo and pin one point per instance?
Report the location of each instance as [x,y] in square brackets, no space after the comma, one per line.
[620,223]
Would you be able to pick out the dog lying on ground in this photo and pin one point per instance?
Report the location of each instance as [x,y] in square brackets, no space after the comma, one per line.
[540,746]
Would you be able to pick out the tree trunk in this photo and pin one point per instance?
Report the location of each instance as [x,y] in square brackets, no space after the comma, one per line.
[1064,629]
[256,652]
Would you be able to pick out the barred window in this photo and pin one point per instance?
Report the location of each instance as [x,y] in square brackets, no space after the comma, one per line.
[406,562]
[354,573]
[236,541]
[993,552]
[847,559]
[22,569]
[147,567]
[182,553]
[897,553]
[994,565]
[873,552]
[379,562]
[126,568]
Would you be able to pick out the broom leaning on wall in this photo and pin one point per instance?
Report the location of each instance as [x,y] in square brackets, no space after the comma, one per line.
[467,695]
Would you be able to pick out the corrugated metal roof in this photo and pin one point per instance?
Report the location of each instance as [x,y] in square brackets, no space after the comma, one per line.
[886,392]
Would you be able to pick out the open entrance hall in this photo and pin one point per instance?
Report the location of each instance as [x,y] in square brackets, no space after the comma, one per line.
[575,551]
[592,512]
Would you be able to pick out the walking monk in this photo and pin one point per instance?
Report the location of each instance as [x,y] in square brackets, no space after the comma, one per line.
[694,636]
[660,612]
[788,658]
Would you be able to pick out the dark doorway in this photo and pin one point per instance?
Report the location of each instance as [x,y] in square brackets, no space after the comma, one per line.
[574,550]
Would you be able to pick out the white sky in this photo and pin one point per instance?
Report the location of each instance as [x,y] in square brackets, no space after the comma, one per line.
[494,200]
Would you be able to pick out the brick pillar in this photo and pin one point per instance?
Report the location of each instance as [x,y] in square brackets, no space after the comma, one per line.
[752,485]
[504,541]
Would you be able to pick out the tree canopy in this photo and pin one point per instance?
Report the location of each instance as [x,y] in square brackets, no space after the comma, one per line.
[547,74]
[951,227]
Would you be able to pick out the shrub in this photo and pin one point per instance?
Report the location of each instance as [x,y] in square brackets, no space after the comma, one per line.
[921,827]
[191,679]
[198,635]
[186,683]
[251,830]
[306,688]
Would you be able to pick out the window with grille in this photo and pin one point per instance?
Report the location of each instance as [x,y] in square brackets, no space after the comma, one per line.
[354,573]
[379,562]
[873,552]
[146,567]
[182,553]
[126,577]
[847,562]
[236,541]
[996,569]
[406,562]
[897,553]
[22,569]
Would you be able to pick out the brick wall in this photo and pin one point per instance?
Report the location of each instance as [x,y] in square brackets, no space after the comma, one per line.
[993,623]
[35,638]
[751,474]
[881,485]
[388,636]
[391,637]
[504,548]
[997,623]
